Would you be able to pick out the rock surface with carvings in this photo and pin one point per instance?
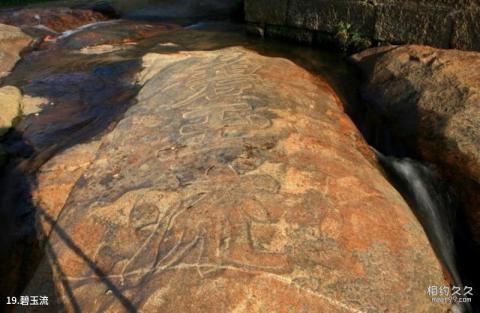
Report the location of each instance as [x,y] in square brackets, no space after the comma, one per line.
[228,188]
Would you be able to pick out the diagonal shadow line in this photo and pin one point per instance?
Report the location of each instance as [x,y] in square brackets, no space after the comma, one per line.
[51,254]
[127,304]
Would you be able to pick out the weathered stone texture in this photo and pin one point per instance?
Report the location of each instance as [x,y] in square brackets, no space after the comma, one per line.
[431,98]
[443,24]
[413,23]
[325,15]
[12,42]
[229,188]
[466,30]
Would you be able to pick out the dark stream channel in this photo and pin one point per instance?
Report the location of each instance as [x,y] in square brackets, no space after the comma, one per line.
[88,90]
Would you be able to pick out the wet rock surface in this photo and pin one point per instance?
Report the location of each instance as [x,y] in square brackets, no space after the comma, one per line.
[210,183]
[68,97]
[157,9]
[91,89]
[54,20]
[430,99]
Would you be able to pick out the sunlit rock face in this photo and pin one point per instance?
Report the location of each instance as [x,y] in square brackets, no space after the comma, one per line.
[430,99]
[9,106]
[12,42]
[235,184]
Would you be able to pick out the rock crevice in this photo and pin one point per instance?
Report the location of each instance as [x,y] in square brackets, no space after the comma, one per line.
[430,99]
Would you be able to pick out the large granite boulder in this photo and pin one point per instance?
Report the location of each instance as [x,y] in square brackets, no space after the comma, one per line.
[12,42]
[228,188]
[431,99]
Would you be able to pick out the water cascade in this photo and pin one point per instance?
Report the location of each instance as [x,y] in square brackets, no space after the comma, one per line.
[435,207]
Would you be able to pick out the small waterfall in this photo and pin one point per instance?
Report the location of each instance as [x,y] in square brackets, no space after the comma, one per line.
[435,208]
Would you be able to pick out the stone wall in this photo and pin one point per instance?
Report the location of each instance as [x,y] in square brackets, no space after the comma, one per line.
[439,23]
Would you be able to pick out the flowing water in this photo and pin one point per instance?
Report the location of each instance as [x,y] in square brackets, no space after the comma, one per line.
[435,208]
[433,201]
[87,76]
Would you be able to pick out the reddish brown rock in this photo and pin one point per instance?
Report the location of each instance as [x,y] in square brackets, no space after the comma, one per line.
[431,98]
[56,19]
[10,99]
[228,188]
[57,178]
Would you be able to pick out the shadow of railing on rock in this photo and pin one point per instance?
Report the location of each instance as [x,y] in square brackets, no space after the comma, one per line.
[29,267]
[102,276]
